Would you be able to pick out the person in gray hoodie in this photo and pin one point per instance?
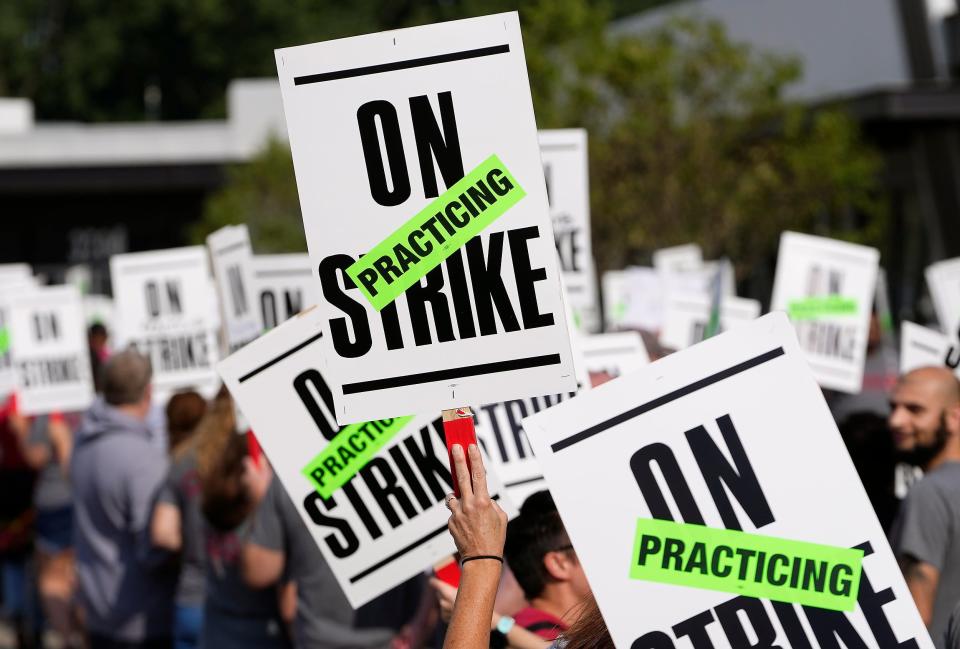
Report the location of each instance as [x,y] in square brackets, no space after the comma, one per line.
[125,587]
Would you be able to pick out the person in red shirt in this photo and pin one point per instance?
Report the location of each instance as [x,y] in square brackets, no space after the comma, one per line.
[545,565]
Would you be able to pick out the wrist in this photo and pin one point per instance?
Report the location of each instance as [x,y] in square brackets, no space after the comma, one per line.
[481,566]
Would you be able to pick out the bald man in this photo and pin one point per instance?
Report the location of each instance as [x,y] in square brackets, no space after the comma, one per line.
[925,424]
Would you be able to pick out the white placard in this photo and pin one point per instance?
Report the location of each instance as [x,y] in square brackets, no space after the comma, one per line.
[632,298]
[613,354]
[725,434]
[500,432]
[816,267]
[686,316]
[8,378]
[49,350]
[389,522]
[232,259]
[678,259]
[922,347]
[15,274]
[699,280]
[284,286]
[163,300]
[379,125]
[943,280]
[13,277]
[564,155]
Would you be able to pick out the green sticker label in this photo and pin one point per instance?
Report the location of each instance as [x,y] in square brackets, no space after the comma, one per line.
[436,232]
[349,452]
[817,307]
[619,311]
[4,340]
[754,565]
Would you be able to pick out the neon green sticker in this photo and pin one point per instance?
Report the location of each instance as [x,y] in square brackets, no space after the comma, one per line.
[619,311]
[817,307]
[435,232]
[4,340]
[349,452]
[754,565]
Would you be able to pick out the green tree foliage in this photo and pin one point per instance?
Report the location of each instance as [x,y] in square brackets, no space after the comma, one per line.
[262,194]
[93,60]
[691,139]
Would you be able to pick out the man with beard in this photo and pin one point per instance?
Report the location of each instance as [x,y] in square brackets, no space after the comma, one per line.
[925,423]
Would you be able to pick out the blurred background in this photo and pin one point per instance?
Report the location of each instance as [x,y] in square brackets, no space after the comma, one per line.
[149,124]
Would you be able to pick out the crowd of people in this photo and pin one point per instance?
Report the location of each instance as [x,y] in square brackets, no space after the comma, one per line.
[146,524]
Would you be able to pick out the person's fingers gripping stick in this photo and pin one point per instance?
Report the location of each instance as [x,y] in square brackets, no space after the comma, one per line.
[477,523]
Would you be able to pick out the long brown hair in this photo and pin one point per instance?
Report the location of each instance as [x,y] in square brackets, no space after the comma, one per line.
[184,411]
[589,631]
[225,501]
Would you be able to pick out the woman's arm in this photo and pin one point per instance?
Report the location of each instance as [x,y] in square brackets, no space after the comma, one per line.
[61,439]
[517,637]
[165,527]
[479,528]
[36,455]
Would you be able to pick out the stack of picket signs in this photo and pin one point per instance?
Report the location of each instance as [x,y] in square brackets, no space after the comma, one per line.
[449,267]
[165,303]
[921,346]
[442,236]
[43,349]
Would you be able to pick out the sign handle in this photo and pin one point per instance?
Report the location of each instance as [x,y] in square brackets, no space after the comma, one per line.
[458,429]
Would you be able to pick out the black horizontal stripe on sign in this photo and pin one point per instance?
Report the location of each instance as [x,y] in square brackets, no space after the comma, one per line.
[452,373]
[667,398]
[281,273]
[277,359]
[517,483]
[161,265]
[611,350]
[402,551]
[233,246]
[924,347]
[400,65]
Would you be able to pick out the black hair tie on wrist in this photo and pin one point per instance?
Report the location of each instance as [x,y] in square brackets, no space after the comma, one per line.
[481,556]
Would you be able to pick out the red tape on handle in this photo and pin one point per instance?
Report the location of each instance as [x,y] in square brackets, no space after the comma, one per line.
[459,431]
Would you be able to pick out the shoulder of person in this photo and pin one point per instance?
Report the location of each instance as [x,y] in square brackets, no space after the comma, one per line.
[943,481]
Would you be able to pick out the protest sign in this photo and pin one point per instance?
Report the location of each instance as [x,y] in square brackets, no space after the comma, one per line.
[232,260]
[564,155]
[500,432]
[284,286]
[13,277]
[388,522]
[429,141]
[163,300]
[15,274]
[613,354]
[705,458]
[686,315]
[923,347]
[678,259]
[632,298]
[8,378]
[827,289]
[943,280]
[49,350]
